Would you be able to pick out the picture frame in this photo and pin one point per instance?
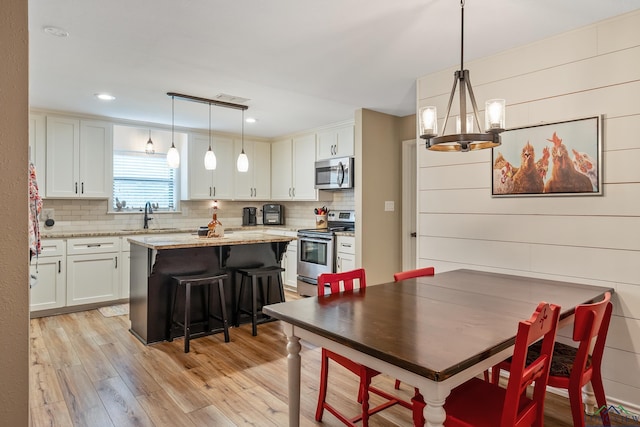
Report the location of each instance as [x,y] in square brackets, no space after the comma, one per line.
[550,159]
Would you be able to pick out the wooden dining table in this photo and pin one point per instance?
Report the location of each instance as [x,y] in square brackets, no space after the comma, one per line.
[433,332]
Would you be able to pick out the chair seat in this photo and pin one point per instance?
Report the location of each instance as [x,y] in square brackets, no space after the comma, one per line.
[481,412]
[563,357]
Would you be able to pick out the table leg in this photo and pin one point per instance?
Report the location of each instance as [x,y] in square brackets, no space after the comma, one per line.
[293,363]
[434,414]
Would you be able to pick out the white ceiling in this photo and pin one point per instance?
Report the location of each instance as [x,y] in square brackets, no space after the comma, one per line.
[302,63]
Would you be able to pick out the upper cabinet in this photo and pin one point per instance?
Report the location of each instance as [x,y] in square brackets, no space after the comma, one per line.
[256,182]
[199,183]
[336,142]
[38,148]
[79,158]
[293,162]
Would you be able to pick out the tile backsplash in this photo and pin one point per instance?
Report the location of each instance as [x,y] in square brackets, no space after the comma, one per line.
[93,215]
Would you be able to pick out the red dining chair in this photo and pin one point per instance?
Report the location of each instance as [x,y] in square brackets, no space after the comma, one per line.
[571,367]
[418,399]
[339,282]
[484,404]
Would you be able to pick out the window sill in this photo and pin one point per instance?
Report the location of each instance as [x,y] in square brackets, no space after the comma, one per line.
[138,212]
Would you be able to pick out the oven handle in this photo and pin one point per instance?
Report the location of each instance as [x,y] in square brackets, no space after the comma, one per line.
[314,240]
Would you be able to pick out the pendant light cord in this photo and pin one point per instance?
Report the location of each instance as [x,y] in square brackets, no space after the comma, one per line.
[242,131]
[172,120]
[209,126]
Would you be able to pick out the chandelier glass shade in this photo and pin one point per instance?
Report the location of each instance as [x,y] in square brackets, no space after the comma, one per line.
[149,149]
[465,139]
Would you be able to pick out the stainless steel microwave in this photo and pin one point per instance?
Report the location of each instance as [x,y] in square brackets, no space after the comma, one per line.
[334,174]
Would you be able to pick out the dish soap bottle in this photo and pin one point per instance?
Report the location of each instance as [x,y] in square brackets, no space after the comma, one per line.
[215,227]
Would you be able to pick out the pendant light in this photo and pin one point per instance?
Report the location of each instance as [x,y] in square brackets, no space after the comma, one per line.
[210,157]
[173,157]
[464,139]
[243,161]
[149,149]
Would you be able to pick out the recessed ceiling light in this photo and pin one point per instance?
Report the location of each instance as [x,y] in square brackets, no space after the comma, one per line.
[55,31]
[251,120]
[105,97]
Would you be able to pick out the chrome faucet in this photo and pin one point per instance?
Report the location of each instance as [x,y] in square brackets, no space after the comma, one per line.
[147,211]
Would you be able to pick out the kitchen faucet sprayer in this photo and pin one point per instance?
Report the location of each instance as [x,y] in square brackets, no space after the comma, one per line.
[147,210]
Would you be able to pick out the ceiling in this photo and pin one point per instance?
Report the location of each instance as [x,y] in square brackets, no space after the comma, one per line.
[301,63]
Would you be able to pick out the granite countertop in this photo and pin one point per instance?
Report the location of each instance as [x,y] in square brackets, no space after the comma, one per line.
[47,234]
[193,241]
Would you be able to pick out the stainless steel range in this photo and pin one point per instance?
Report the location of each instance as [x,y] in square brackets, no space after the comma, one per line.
[317,249]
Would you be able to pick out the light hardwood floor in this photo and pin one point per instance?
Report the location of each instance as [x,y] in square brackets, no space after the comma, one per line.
[88,370]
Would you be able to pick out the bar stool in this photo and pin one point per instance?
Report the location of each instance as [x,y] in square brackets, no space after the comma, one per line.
[205,280]
[254,275]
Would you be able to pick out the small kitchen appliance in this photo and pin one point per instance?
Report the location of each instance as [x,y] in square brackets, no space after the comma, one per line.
[249,216]
[273,214]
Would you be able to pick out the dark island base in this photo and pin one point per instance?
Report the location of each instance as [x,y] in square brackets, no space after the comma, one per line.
[151,285]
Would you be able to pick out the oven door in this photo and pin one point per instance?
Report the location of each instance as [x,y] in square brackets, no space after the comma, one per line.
[315,256]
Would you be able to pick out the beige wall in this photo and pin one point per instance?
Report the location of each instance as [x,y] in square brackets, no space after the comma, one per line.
[587,239]
[14,291]
[378,179]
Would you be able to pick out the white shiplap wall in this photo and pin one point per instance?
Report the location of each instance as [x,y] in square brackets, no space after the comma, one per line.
[592,239]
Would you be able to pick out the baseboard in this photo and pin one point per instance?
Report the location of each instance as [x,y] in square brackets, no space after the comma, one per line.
[75,308]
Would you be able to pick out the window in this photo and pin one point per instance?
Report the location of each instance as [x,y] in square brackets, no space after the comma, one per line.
[139,178]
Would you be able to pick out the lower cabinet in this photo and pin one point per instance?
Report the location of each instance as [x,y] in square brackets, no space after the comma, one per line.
[48,273]
[93,273]
[289,260]
[345,253]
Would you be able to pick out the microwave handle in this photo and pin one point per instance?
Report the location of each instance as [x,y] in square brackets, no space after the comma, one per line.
[340,174]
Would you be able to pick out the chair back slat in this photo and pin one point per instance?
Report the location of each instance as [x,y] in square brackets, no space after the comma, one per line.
[345,281]
[542,325]
[410,274]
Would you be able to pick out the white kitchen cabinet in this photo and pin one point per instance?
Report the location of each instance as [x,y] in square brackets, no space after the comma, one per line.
[289,259]
[256,182]
[93,273]
[336,142]
[79,158]
[293,162]
[125,267]
[199,183]
[38,148]
[50,272]
[345,253]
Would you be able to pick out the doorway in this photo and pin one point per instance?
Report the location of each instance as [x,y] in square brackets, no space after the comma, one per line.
[409,208]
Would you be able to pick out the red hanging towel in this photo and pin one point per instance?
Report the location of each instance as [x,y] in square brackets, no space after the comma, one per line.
[35,206]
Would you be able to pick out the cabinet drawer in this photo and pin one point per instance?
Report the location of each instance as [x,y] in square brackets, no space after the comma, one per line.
[93,245]
[52,247]
[347,244]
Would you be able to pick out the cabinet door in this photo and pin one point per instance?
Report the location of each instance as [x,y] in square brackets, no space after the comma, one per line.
[345,262]
[38,149]
[125,271]
[63,150]
[281,170]
[304,157]
[50,287]
[256,182]
[291,268]
[262,170]
[345,141]
[96,159]
[199,181]
[327,144]
[92,278]
[226,165]
[244,180]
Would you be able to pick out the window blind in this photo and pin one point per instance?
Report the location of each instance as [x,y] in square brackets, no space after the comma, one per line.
[139,178]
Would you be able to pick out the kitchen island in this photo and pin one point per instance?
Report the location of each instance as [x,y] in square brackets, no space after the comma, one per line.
[155,259]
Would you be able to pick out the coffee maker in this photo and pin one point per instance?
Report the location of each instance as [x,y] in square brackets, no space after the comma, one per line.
[249,216]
